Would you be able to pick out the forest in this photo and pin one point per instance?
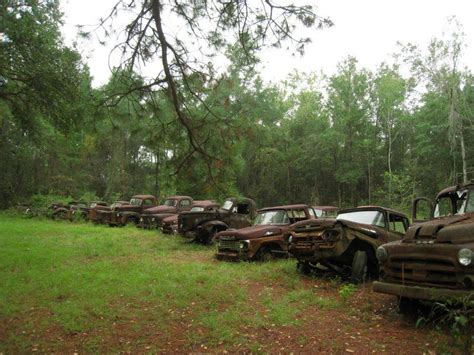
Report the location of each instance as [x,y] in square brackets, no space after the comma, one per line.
[355,137]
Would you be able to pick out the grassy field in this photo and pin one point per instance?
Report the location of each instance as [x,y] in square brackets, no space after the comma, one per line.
[70,287]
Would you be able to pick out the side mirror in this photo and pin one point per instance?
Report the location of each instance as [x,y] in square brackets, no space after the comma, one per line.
[422,210]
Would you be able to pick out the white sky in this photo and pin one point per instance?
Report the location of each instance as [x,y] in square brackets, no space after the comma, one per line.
[365,29]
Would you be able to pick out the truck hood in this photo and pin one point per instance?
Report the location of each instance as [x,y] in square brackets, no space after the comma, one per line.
[173,219]
[321,224]
[313,225]
[127,208]
[160,209]
[454,229]
[253,232]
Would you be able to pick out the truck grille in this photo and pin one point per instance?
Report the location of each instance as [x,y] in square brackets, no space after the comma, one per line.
[229,245]
[432,271]
[309,242]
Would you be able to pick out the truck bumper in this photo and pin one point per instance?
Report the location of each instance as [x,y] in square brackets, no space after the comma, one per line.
[422,293]
[231,256]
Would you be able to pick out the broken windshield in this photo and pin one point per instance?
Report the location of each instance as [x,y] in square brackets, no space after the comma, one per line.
[374,218]
[272,217]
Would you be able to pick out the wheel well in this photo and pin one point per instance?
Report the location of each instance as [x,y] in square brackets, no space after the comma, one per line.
[133,219]
[271,246]
[358,244]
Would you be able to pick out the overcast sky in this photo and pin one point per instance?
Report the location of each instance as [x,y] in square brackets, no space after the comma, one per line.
[365,29]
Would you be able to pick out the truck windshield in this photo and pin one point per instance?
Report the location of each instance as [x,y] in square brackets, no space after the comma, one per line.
[170,202]
[227,205]
[374,218]
[272,217]
[136,202]
[457,202]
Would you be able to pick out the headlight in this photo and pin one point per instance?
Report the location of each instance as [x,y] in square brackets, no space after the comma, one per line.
[153,219]
[465,256]
[244,244]
[382,254]
[290,239]
[118,214]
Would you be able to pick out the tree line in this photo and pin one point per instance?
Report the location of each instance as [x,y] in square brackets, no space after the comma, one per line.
[355,137]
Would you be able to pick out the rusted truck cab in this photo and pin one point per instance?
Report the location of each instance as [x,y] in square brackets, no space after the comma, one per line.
[347,243]
[202,226]
[264,240]
[434,261]
[152,217]
[130,213]
[169,225]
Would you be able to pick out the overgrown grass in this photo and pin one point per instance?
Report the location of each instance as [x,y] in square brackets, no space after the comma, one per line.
[79,279]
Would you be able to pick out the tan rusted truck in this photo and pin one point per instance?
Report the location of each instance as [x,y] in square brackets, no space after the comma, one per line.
[346,244]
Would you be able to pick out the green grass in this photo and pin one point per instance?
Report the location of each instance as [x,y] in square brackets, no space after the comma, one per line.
[73,279]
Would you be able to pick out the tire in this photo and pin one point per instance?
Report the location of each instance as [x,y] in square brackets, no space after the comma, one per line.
[212,235]
[359,267]
[265,254]
[131,220]
[60,215]
[303,268]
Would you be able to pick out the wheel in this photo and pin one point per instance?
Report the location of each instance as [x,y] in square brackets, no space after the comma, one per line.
[265,254]
[407,305]
[359,267]
[131,220]
[60,215]
[212,235]
[303,267]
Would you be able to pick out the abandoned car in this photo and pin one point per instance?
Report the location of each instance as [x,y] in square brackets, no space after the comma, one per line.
[170,223]
[130,213]
[100,214]
[60,210]
[264,240]
[202,226]
[82,212]
[435,259]
[348,243]
[151,218]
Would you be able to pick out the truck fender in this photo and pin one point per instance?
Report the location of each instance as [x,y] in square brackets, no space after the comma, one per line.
[129,215]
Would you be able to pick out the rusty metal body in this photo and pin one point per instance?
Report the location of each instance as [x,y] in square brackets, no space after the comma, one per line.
[169,224]
[100,214]
[334,243]
[82,212]
[63,211]
[264,239]
[130,213]
[202,226]
[427,263]
[152,217]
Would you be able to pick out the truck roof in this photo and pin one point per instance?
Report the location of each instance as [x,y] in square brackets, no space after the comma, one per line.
[285,207]
[372,207]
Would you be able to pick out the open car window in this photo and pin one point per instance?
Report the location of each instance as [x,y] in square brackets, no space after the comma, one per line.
[397,223]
